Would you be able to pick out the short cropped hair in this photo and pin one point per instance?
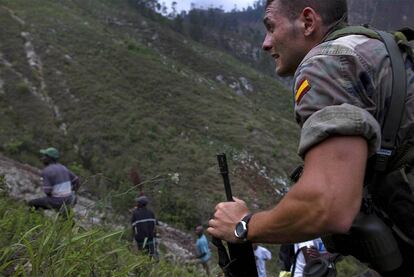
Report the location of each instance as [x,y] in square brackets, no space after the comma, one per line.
[330,11]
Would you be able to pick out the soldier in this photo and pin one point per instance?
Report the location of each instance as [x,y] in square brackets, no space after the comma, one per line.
[342,91]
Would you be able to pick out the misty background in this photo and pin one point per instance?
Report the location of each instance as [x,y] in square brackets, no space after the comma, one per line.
[226,5]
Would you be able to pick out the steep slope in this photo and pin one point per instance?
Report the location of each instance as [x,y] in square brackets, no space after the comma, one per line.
[118,92]
[384,14]
[22,182]
[241,33]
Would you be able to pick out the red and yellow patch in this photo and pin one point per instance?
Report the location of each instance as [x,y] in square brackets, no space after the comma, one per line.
[302,89]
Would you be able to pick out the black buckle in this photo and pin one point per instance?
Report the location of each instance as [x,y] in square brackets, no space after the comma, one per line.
[381,159]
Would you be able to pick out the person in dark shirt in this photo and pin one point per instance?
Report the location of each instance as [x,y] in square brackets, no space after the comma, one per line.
[143,224]
[59,183]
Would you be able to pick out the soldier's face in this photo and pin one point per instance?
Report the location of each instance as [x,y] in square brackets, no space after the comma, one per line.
[283,40]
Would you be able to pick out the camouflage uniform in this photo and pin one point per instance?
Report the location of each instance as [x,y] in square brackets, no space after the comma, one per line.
[343,87]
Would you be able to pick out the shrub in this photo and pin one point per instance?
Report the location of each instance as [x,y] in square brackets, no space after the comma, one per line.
[34,245]
[22,88]
[15,146]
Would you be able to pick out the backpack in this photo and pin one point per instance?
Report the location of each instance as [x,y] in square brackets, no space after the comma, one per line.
[320,267]
[317,264]
[383,232]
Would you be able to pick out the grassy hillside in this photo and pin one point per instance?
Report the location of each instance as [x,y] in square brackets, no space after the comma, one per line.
[241,33]
[119,93]
[34,245]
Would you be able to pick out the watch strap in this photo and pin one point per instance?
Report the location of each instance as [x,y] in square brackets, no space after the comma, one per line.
[245,220]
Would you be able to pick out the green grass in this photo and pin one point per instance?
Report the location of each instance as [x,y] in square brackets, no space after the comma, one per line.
[34,245]
[138,95]
[133,94]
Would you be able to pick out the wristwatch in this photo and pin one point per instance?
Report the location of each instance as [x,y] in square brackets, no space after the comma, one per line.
[241,228]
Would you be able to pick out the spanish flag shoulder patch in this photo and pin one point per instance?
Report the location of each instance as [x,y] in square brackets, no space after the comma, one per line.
[301,90]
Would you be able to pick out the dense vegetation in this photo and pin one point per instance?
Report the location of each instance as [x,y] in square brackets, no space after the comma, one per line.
[137,102]
[240,32]
[122,93]
[34,245]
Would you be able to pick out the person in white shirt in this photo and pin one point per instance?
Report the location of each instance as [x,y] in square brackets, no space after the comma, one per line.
[262,255]
[304,252]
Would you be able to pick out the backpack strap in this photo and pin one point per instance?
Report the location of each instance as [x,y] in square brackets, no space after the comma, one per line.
[295,257]
[395,44]
[396,108]
[393,117]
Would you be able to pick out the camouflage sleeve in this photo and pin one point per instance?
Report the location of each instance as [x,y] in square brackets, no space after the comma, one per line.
[332,98]
[345,120]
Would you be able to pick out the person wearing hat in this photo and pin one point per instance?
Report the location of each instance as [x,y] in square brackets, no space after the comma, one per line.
[59,183]
[143,225]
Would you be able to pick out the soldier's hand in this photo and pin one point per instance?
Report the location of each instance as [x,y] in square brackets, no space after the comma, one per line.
[226,216]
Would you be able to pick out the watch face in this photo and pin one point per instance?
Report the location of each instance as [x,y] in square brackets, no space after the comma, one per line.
[241,229]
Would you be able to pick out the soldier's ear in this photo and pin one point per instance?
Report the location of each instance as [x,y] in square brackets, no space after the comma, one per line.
[310,21]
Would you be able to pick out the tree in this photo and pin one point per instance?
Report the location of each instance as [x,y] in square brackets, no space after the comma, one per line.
[179,22]
[195,20]
[173,13]
[151,5]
